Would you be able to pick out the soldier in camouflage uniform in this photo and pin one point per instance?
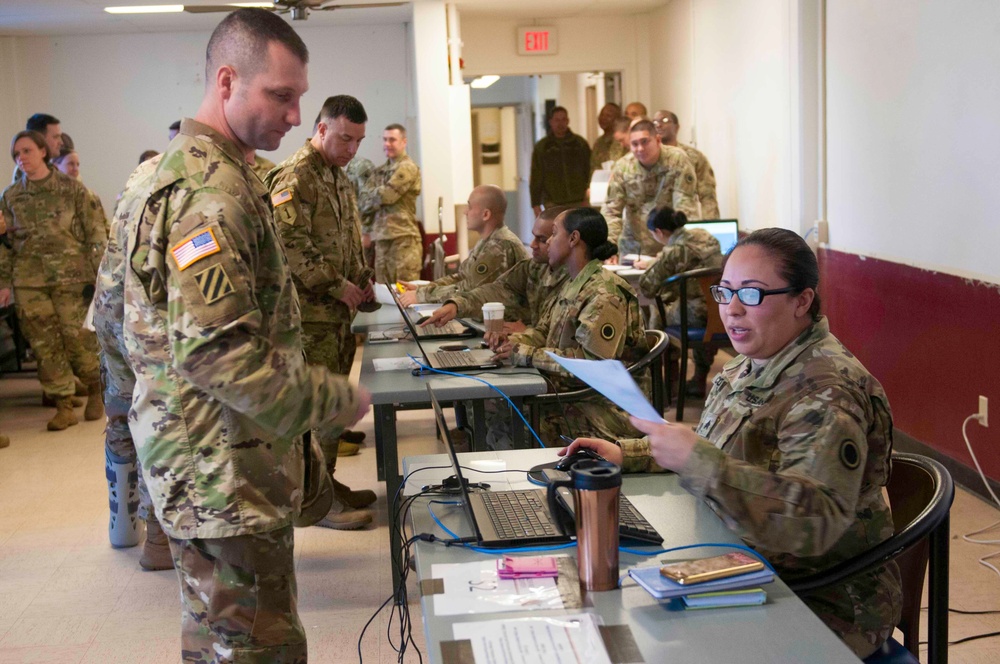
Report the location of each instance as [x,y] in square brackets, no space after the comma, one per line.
[68,162]
[596,316]
[320,231]
[527,290]
[212,330]
[794,445]
[358,171]
[667,127]
[57,241]
[606,148]
[129,501]
[389,198]
[262,166]
[497,251]
[649,177]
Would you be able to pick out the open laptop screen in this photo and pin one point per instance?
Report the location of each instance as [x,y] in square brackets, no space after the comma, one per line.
[726,231]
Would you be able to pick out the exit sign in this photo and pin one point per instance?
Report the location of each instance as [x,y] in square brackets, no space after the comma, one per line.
[537,40]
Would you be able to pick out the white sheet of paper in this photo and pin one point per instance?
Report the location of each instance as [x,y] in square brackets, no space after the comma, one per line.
[570,639]
[394,364]
[477,588]
[612,379]
[382,295]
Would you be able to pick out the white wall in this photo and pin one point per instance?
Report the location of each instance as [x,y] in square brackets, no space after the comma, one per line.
[116,94]
[670,64]
[913,134]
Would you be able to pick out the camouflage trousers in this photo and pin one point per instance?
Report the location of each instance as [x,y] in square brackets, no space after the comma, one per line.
[52,320]
[238,597]
[331,345]
[398,259]
[592,417]
[117,436]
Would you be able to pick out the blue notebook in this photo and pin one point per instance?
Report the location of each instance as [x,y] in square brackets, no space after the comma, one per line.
[725,598]
[661,587]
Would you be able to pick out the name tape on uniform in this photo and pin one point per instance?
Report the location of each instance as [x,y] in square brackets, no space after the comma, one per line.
[194,248]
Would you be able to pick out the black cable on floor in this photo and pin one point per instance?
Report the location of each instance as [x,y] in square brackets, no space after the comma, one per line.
[974,637]
[968,613]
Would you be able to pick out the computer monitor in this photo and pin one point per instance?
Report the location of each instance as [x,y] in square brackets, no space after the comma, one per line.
[726,231]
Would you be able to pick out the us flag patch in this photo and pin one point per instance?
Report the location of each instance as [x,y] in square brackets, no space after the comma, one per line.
[213,283]
[282,197]
[195,248]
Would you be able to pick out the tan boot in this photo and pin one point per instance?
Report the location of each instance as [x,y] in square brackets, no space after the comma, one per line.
[65,417]
[81,389]
[49,402]
[345,448]
[4,442]
[342,517]
[156,551]
[95,402]
[351,498]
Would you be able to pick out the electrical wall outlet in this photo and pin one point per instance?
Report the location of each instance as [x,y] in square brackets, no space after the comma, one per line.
[984,411]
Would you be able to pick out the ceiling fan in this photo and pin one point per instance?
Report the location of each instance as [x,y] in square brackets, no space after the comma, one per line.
[299,8]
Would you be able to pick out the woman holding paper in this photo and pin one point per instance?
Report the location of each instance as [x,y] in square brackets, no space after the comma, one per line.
[793,446]
[596,316]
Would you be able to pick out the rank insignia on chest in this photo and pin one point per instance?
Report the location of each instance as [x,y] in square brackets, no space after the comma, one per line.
[194,248]
[213,283]
[282,197]
[481,268]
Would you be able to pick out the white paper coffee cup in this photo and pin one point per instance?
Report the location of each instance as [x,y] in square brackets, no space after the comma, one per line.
[493,316]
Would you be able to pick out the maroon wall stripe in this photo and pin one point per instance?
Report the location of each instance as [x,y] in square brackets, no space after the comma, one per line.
[931,339]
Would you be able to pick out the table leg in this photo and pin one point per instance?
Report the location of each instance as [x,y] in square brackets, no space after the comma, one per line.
[478,425]
[520,438]
[937,594]
[385,427]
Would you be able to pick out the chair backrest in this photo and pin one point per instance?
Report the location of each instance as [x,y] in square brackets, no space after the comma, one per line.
[713,320]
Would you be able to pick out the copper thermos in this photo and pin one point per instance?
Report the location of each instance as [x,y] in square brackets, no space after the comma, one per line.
[596,486]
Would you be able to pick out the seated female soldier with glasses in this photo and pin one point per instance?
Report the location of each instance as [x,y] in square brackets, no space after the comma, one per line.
[793,446]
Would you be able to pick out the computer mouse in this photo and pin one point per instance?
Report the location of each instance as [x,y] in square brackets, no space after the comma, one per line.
[454,347]
[581,454]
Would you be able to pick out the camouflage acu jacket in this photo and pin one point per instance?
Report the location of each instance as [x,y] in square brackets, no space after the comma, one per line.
[317,219]
[390,197]
[491,257]
[687,249]
[635,191]
[212,330]
[606,148]
[793,456]
[57,234]
[706,182]
[527,291]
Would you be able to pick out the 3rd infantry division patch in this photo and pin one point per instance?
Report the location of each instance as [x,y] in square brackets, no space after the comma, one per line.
[214,284]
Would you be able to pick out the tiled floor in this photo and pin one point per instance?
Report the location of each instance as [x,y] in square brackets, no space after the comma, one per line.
[66,596]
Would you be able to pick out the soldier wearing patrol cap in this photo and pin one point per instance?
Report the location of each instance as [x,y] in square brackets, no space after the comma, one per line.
[389,198]
[795,442]
[212,331]
[650,176]
[498,250]
[318,223]
[596,316]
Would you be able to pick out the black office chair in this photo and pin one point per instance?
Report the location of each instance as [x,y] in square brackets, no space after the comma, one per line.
[657,342]
[920,494]
[685,337]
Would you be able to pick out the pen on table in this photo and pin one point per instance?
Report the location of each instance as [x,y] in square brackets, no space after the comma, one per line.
[567,438]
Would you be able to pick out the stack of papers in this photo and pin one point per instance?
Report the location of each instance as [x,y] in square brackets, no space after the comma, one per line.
[661,587]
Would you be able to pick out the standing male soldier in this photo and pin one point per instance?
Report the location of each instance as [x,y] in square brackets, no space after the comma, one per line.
[667,127]
[497,251]
[390,196]
[560,165]
[527,290]
[212,329]
[317,217]
[606,148]
[649,177]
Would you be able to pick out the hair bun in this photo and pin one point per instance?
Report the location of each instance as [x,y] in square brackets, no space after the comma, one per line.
[604,251]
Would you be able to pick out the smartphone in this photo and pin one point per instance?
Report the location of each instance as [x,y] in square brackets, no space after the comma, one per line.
[706,569]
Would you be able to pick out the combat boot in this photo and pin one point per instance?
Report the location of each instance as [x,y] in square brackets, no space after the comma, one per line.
[95,402]
[343,517]
[125,527]
[65,417]
[156,551]
[49,402]
[4,442]
[356,437]
[351,498]
[81,389]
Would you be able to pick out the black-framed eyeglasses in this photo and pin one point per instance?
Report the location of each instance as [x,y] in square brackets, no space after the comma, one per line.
[748,295]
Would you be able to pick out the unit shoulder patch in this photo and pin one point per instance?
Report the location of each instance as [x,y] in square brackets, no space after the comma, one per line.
[608,331]
[850,455]
[481,268]
[213,283]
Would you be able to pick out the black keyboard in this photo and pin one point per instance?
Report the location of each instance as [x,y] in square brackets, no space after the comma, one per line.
[518,514]
[633,525]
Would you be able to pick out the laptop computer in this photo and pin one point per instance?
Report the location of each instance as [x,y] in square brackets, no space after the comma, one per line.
[449,360]
[502,519]
[453,329]
[726,231]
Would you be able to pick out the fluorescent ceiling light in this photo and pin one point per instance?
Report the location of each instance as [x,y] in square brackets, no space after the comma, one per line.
[484,81]
[261,5]
[146,9]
